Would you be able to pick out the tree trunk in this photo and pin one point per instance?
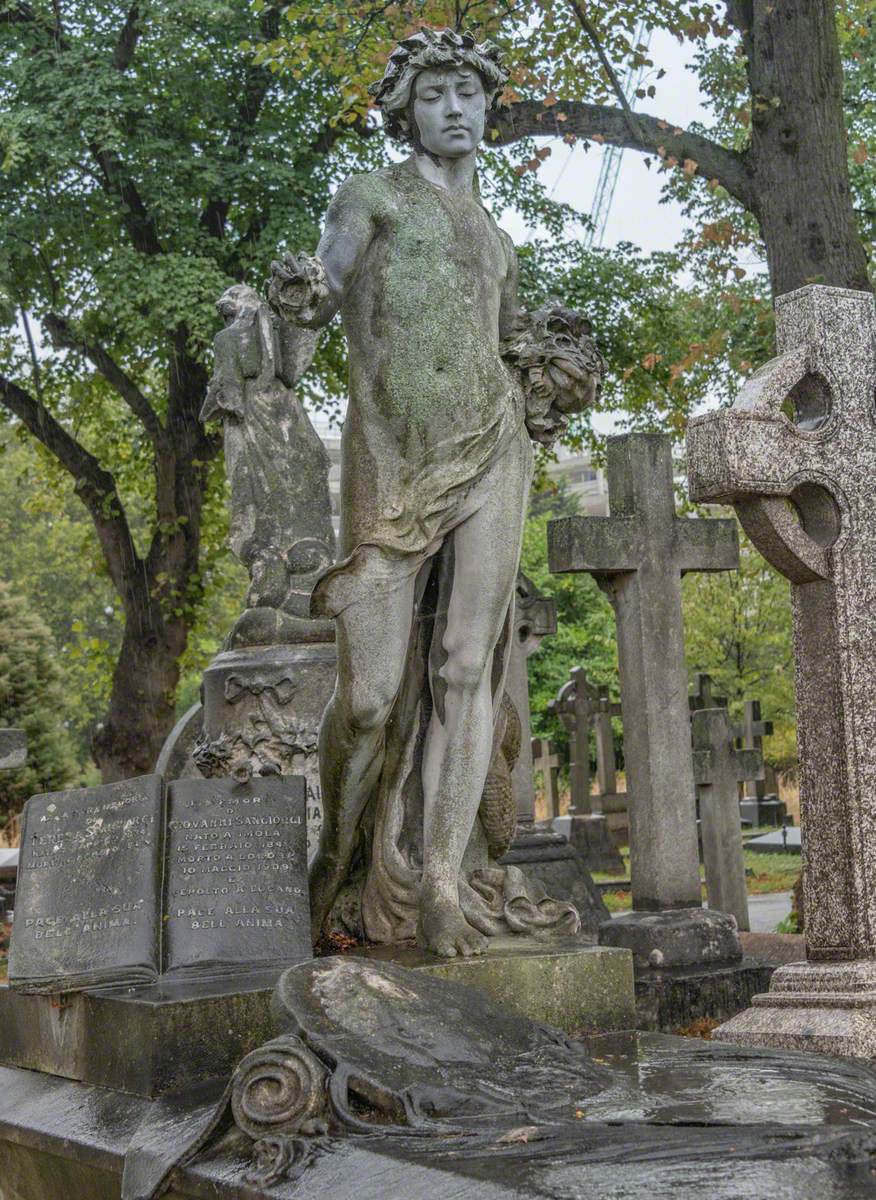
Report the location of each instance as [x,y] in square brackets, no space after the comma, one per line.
[142,707]
[159,597]
[798,154]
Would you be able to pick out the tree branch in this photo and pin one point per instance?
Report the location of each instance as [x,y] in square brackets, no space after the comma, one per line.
[530,118]
[17,14]
[256,82]
[95,487]
[126,42]
[588,27]
[65,335]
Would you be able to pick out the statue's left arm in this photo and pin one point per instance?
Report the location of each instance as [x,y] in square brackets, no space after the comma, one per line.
[309,289]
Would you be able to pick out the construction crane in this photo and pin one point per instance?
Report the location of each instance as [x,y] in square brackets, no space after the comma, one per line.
[612,155]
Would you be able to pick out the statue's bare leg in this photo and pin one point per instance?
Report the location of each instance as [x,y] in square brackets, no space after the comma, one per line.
[372,643]
[458,749]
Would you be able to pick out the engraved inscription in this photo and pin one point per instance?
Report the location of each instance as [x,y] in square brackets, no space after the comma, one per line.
[236,892]
[88,887]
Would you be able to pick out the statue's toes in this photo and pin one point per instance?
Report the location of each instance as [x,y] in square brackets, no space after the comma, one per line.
[470,943]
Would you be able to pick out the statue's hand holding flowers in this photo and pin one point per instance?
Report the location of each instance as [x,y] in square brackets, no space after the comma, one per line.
[298,288]
[558,364]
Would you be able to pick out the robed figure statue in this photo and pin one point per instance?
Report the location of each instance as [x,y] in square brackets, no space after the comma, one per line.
[448,384]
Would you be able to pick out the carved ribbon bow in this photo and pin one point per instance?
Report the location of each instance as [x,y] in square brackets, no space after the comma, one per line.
[280,690]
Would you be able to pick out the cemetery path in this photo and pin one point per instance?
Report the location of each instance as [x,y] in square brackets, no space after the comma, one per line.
[766,912]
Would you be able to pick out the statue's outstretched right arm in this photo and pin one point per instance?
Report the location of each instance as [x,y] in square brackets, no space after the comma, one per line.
[309,289]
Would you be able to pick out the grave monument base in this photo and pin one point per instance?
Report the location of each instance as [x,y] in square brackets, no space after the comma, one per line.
[142,1040]
[676,937]
[152,1039]
[677,998]
[763,810]
[829,1007]
[688,966]
[60,1139]
[569,983]
[590,835]
[548,857]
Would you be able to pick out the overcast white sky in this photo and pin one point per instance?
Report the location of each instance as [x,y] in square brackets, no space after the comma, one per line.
[636,214]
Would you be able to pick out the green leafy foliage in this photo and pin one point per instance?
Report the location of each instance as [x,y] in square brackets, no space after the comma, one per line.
[585,623]
[31,698]
[738,630]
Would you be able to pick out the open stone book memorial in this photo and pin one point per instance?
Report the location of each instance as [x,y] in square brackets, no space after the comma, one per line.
[191,1013]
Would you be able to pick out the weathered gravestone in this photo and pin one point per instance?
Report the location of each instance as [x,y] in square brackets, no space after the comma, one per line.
[236,876]
[795,455]
[575,705]
[638,555]
[535,618]
[88,895]
[579,705]
[546,762]
[542,853]
[718,770]
[120,885]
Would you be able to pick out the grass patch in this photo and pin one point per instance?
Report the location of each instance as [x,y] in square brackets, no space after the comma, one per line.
[771,872]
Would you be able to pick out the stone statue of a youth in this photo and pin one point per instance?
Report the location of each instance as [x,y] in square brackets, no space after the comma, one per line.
[436,463]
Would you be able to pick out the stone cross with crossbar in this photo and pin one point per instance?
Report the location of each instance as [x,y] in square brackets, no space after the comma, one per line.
[751,731]
[638,555]
[718,770]
[703,695]
[796,456]
[546,761]
[576,704]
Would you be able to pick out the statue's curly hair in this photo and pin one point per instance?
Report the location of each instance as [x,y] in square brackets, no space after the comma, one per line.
[431,49]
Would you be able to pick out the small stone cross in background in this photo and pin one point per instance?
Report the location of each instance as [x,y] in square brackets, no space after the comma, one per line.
[751,732]
[576,705]
[718,770]
[546,760]
[703,695]
[606,760]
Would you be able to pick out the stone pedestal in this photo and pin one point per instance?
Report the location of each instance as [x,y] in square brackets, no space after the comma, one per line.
[262,710]
[548,857]
[590,835]
[569,984]
[688,965]
[681,937]
[823,1006]
[145,1040]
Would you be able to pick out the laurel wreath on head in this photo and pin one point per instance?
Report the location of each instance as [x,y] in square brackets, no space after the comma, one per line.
[433,49]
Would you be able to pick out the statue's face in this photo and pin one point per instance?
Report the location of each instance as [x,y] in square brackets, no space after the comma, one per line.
[450,109]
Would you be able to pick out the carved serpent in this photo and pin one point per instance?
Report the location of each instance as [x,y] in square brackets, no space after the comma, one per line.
[498,808]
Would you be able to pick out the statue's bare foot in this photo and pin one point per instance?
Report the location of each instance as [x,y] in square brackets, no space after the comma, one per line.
[442,929]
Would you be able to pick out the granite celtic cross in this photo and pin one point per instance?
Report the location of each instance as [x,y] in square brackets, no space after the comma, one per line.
[638,555]
[795,456]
